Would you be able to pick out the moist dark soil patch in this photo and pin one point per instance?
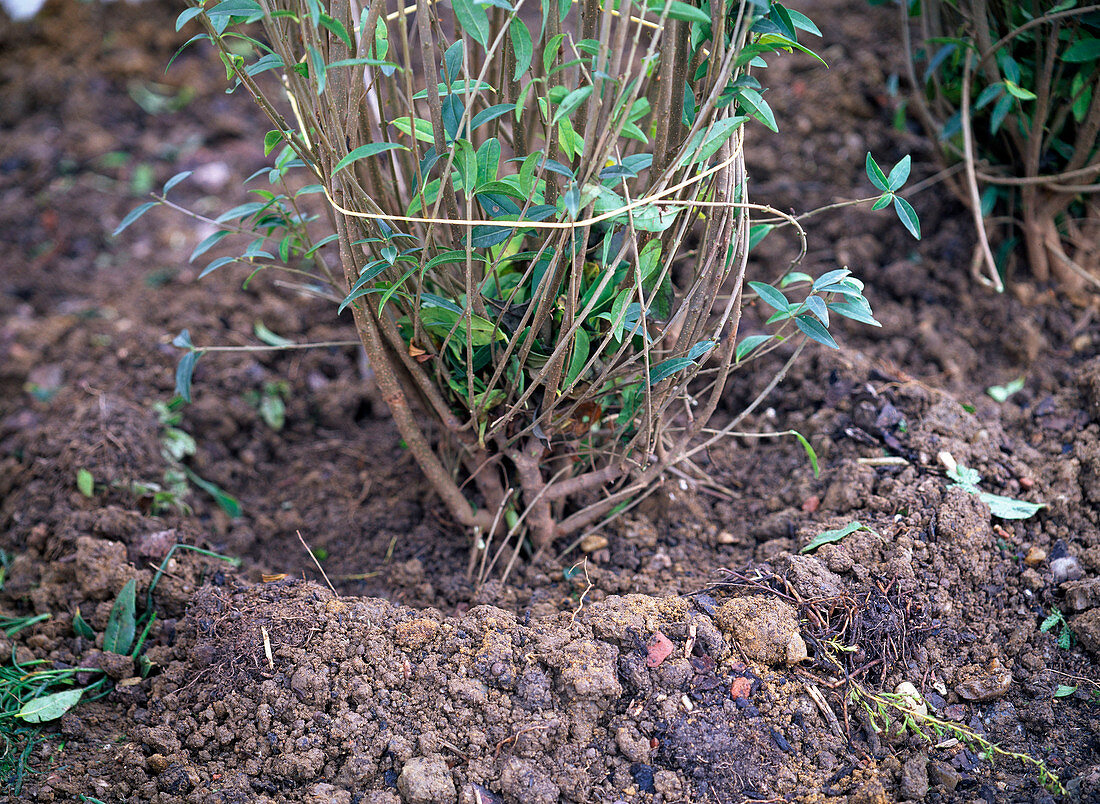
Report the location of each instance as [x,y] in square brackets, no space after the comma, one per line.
[646,672]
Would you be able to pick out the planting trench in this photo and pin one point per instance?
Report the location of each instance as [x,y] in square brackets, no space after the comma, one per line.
[679,658]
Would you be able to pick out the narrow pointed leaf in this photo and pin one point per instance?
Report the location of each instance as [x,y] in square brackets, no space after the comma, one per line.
[363,151]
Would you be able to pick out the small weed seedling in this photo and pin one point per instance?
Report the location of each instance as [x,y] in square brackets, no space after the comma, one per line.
[831,536]
[1000,506]
[1056,620]
[269,401]
[885,709]
[31,695]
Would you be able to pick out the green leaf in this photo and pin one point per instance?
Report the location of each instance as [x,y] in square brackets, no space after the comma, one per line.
[318,67]
[441,320]
[855,309]
[882,201]
[550,51]
[1064,690]
[269,337]
[183,340]
[122,623]
[337,27]
[1083,50]
[1000,112]
[831,536]
[875,174]
[184,370]
[814,329]
[1007,507]
[678,10]
[207,244]
[492,113]
[521,45]
[271,139]
[581,350]
[808,447]
[85,482]
[667,368]
[908,216]
[81,627]
[1000,393]
[1052,620]
[816,305]
[1019,92]
[700,349]
[187,15]
[829,278]
[571,102]
[172,182]
[419,128]
[473,20]
[900,174]
[701,149]
[757,232]
[802,22]
[215,265]
[772,296]
[748,344]
[133,215]
[754,103]
[363,151]
[273,411]
[225,501]
[49,707]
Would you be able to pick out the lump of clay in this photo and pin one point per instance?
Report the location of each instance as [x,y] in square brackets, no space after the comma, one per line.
[765,627]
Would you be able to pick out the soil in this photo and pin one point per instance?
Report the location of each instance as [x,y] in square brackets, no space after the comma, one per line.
[681,660]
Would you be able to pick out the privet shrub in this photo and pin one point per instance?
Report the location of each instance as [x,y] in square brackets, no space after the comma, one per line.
[1011,90]
[539,218]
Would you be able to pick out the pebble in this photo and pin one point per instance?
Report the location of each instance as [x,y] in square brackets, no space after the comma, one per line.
[593,542]
[725,537]
[658,648]
[914,778]
[427,780]
[987,687]
[1035,556]
[1081,595]
[942,774]
[1066,568]
[643,777]
[911,698]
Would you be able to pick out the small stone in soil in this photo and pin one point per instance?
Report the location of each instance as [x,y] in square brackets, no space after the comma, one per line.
[659,648]
[427,780]
[643,777]
[1035,556]
[740,689]
[1067,568]
[914,778]
[781,741]
[593,542]
[942,774]
[986,687]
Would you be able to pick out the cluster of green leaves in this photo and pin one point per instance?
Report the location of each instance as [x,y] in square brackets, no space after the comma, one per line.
[517,197]
[889,185]
[176,445]
[1033,105]
[1056,622]
[999,505]
[622,291]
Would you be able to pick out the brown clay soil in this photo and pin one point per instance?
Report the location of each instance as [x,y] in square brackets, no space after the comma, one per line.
[415,685]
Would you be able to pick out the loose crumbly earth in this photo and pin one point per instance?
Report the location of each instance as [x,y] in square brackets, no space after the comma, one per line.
[645,674]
